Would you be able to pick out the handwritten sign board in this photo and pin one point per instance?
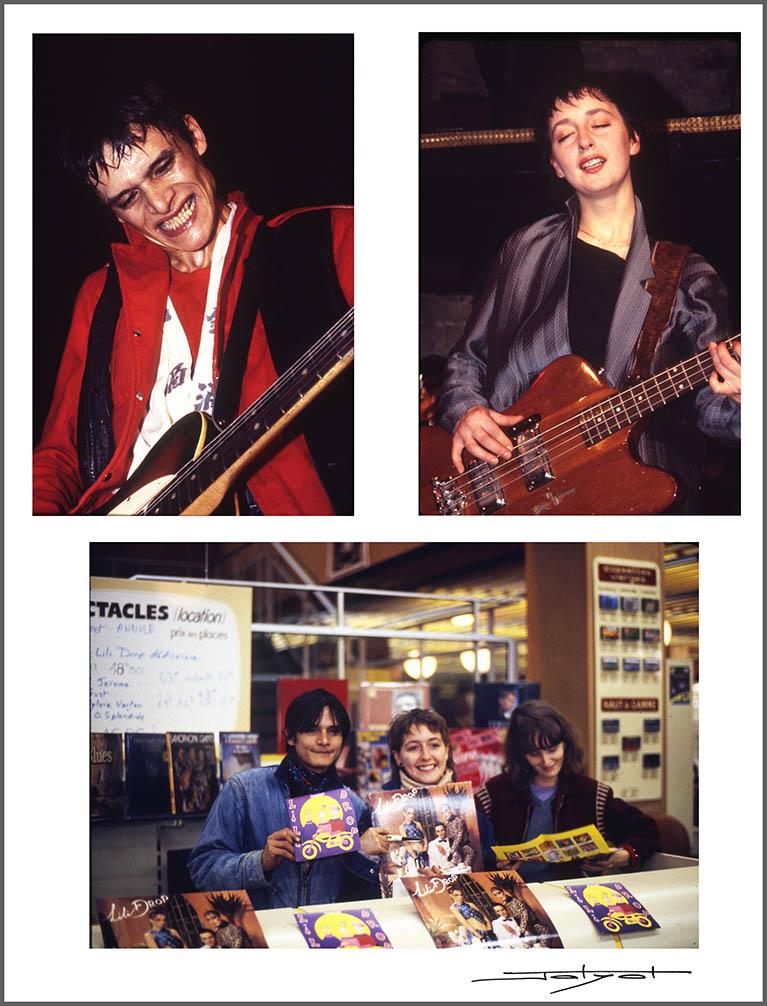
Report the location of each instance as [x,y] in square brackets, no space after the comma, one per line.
[169,656]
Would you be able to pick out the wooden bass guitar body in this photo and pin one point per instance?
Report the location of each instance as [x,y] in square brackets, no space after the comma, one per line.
[558,466]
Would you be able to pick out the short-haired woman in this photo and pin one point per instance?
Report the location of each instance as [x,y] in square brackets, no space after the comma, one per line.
[419,741]
[574,282]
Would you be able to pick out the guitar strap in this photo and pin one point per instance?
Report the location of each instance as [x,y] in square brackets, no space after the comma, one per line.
[95,436]
[290,275]
[232,369]
[668,261]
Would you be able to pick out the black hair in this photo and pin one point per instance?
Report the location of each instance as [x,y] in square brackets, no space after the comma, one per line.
[535,725]
[305,712]
[117,121]
[605,86]
[158,911]
[206,930]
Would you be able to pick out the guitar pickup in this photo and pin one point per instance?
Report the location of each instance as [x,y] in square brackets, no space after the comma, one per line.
[486,486]
[531,453]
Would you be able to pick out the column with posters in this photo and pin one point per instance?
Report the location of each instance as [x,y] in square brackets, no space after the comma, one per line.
[628,677]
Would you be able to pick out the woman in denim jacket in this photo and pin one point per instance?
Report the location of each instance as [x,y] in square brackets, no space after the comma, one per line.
[247,843]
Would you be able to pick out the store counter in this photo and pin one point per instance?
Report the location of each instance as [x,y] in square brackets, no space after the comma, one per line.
[669,895]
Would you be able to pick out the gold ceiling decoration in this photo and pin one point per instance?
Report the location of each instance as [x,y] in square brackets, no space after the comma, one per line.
[503,137]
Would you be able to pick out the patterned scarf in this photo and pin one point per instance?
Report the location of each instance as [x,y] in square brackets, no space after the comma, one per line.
[302,781]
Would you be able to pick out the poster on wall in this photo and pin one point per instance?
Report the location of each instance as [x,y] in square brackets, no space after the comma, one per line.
[494,702]
[347,557]
[169,656]
[381,701]
[679,684]
[628,654]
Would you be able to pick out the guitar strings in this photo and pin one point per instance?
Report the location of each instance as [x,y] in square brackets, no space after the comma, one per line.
[654,396]
[319,356]
[477,484]
[516,464]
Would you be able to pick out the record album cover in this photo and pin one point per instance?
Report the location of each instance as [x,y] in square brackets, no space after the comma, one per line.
[494,702]
[433,831]
[147,776]
[326,824]
[478,754]
[612,908]
[222,920]
[373,760]
[239,751]
[107,790]
[193,771]
[482,910]
[348,928]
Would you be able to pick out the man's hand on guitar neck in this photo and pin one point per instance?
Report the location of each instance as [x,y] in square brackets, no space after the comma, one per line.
[479,432]
[726,377]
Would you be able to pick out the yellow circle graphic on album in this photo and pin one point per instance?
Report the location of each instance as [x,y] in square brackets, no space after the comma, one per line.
[321,809]
[597,894]
[341,925]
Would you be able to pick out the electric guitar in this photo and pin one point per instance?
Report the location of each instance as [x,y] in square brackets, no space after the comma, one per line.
[197,464]
[573,451]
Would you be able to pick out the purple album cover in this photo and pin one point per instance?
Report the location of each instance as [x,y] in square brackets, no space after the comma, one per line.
[326,824]
[355,928]
[612,908]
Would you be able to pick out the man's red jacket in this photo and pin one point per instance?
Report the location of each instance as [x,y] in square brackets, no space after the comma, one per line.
[285,484]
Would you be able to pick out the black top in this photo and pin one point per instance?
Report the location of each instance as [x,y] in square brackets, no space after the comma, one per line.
[595,279]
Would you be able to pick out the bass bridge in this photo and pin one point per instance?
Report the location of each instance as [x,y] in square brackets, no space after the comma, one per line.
[531,453]
[447,496]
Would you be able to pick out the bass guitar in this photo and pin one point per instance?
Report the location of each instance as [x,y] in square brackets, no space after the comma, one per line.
[573,451]
[196,465]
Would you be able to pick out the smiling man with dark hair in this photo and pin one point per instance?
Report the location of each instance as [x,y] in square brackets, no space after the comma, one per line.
[204,308]
[247,842]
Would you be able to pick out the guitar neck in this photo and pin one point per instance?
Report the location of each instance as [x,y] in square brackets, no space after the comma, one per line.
[627,406]
[285,399]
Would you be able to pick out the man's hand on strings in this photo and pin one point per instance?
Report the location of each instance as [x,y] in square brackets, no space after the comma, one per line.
[725,379]
[479,432]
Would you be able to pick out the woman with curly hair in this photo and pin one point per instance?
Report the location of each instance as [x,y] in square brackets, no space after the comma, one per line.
[419,742]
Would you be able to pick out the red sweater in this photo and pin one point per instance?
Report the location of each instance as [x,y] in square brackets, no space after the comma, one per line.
[287,483]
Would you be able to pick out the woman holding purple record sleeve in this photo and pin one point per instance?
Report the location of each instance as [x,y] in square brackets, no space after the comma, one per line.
[543,789]
[247,842]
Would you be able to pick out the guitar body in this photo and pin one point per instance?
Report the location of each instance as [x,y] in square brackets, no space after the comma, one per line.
[573,477]
[183,442]
[197,467]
